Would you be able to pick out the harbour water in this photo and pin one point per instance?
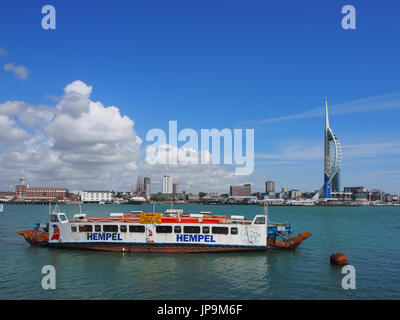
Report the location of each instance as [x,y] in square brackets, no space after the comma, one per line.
[369,236]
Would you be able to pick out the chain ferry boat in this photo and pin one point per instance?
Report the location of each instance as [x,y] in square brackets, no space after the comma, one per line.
[173,231]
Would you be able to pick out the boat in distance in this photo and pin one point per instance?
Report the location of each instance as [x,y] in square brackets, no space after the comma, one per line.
[173,231]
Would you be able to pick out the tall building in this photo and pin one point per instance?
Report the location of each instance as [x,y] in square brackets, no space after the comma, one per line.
[244,190]
[174,188]
[167,184]
[332,159]
[269,186]
[146,185]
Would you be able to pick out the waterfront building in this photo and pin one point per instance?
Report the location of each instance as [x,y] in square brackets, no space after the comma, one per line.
[269,186]
[343,196]
[193,197]
[6,196]
[270,195]
[95,196]
[167,183]
[241,191]
[174,188]
[242,199]
[294,194]
[23,191]
[355,190]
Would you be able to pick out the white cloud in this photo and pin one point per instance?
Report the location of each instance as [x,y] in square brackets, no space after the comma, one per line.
[79,143]
[10,133]
[381,102]
[19,71]
[76,99]
[191,177]
[30,116]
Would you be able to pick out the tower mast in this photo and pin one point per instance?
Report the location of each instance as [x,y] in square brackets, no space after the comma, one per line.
[327,156]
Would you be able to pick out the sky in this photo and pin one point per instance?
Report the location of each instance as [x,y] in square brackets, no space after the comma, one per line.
[77,102]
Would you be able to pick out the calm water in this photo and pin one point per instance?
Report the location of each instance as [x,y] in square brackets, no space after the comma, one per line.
[369,236]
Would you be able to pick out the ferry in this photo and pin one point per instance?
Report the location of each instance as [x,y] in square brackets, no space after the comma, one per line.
[173,231]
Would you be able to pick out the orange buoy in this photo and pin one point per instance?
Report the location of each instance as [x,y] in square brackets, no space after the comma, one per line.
[338,259]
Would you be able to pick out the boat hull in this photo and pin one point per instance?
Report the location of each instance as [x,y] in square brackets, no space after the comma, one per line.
[151,247]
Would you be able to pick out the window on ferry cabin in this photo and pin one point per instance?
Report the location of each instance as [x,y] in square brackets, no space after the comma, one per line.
[164,229]
[53,218]
[85,228]
[206,229]
[178,229]
[123,228]
[260,220]
[97,228]
[138,229]
[234,230]
[110,228]
[220,230]
[73,228]
[191,229]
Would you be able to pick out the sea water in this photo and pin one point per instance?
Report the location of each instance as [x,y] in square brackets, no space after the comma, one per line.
[368,236]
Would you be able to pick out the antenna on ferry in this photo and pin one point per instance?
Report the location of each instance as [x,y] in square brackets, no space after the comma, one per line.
[80,209]
[154,213]
[266,208]
[266,212]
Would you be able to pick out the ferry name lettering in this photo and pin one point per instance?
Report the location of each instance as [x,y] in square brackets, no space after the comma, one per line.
[103,236]
[194,238]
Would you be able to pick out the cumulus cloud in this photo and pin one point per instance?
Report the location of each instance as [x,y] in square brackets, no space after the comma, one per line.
[28,115]
[191,173]
[9,131]
[76,99]
[79,143]
[19,71]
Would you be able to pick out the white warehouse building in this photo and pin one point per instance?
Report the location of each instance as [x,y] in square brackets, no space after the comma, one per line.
[95,196]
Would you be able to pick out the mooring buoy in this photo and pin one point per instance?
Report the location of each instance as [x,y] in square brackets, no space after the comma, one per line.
[338,259]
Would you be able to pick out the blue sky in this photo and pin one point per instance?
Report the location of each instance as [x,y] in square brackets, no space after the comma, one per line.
[226,64]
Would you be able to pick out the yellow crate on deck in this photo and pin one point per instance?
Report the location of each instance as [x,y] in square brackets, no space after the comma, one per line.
[150,217]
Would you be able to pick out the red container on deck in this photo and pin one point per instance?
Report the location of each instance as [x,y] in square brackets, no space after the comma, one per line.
[169,220]
[207,220]
[190,220]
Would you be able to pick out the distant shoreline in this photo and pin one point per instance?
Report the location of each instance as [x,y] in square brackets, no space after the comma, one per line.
[205,204]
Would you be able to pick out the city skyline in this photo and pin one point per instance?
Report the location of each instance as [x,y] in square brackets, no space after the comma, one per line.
[73,115]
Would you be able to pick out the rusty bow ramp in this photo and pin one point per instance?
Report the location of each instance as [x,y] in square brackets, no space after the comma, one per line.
[35,237]
[290,244]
